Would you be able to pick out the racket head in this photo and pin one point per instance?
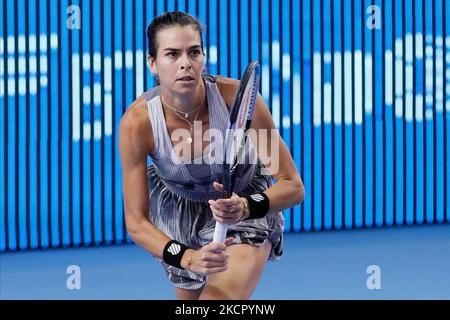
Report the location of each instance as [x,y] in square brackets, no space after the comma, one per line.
[240,120]
[245,97]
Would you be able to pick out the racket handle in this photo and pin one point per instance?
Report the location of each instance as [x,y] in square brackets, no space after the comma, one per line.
[227,194]
[220,232]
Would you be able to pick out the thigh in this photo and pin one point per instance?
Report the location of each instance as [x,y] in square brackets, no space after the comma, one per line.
[185,294]
[245,266]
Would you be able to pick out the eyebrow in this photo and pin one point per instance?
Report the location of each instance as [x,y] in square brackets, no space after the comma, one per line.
[175,49]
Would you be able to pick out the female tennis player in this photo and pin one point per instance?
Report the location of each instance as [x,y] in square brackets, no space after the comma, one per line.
[171,206]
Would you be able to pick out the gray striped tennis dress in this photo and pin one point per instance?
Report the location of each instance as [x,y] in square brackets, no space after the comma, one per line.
[179,191]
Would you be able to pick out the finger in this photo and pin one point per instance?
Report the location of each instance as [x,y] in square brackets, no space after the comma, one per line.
[226,221]
[219,219]
[216,256]
[223,214]
[229,202]
[215,248]
[209,255]
[232,220]
[229,241]
[228,209]
[216,261]
[215,264]
[218,186]
[216,270]
[224,207]
[214,204]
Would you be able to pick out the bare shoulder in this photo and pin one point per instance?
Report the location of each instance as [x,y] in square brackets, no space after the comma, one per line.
[262,117]
[135,124]
[228,88]
[224,81]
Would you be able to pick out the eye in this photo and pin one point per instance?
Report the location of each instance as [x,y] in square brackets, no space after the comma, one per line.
[195,52]
[171,54]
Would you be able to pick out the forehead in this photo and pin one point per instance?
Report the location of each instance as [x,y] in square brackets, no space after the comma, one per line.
[178,37]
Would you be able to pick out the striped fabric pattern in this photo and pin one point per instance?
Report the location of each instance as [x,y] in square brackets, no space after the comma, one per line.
[179,177]
[178,204]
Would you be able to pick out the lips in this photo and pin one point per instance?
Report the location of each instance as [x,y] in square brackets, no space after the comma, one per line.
[185,78]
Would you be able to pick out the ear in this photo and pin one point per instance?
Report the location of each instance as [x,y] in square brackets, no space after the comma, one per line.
[152,65]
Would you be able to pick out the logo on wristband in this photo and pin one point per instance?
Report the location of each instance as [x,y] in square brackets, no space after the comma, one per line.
[257,197]
[174,248]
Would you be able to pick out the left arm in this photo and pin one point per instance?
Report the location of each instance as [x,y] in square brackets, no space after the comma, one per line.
[288,190]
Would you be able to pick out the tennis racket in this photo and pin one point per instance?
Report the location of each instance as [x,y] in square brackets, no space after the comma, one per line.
[240,119]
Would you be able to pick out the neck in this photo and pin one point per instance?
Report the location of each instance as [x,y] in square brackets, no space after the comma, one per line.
[185,102]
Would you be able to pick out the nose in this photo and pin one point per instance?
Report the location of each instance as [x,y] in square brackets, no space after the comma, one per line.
[185,63]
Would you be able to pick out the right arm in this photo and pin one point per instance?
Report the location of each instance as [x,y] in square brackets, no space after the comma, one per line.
[133,150]
[133,157]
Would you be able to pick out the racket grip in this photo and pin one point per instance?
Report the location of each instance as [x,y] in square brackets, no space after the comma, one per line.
[227,194]
[220,232]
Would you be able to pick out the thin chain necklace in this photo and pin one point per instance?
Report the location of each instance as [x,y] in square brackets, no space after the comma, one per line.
[175,111]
